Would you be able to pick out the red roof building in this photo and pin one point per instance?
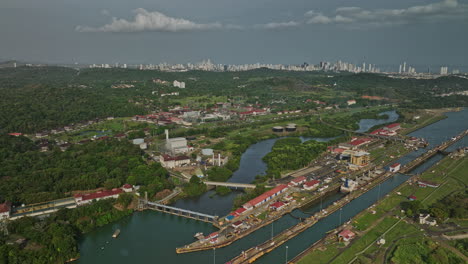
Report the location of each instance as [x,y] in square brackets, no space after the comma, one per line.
[259,200]
[15,134]
[277,206]
[5,209]
[346,235]
[237,224]
[412,198]
[395,167]
[297,181]
[393,127]
[81,199]
[311,184]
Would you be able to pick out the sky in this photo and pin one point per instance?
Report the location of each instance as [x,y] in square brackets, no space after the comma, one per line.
[382,32]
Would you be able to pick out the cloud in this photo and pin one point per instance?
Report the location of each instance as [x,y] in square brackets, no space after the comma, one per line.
[277,25]
[151,21]
[439,11]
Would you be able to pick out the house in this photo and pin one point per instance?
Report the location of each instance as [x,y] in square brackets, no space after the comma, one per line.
[82,199]
[351,102]
[168,161]
[212,235]
[15,134]
[412,198]
[127,188]
[277,206]
[297,181]
[424,184]
[346,235]
[237,224]
[5,209]
[310,185]
[395,167]
[239,211]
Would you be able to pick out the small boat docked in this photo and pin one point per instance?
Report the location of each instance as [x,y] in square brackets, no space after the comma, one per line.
[116,233]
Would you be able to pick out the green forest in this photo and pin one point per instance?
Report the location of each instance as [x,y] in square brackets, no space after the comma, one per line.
[39,98]
[291,154]
[29,176]
[55,239]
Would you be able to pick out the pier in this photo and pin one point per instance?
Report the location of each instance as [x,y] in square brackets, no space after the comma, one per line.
[143,204]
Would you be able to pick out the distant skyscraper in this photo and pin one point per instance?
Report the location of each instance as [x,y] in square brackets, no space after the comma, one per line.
[363,66]
[444,70]
[399,70]
[404,66]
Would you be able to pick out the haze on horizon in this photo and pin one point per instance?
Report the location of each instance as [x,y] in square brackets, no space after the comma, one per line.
[432,32]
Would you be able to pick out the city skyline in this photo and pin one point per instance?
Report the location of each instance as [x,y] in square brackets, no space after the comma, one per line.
[427,33]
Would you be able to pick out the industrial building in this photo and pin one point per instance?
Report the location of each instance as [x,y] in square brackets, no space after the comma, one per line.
[176,145]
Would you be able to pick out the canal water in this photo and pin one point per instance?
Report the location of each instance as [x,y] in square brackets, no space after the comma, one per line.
[366,124]
[151,237]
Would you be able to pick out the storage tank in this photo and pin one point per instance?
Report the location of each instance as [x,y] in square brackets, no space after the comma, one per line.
[278,129]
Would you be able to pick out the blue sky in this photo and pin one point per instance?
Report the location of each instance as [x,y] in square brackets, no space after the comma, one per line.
[235,31]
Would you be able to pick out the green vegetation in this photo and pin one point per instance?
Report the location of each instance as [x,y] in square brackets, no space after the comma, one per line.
[55,239]
[30,176]
[291,154]
[39,98]
[223,190]
[417,250]
[194,187]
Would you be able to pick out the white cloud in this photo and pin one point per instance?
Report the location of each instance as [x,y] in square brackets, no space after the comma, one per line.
[150,21]
[444,10]
[277,25]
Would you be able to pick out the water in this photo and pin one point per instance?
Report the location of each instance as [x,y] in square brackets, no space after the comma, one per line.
[366,124]
[151,237]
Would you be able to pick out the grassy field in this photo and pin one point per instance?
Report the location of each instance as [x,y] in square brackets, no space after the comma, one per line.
[365,241]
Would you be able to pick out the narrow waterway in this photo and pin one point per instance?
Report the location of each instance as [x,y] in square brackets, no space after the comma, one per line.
[149,236]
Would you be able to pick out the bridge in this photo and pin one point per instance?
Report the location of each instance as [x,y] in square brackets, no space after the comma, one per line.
[144,204]
[231,184]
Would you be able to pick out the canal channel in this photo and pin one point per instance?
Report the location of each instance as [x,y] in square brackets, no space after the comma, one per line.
[151,237]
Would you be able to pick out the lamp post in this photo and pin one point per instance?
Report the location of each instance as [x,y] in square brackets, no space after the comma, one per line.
[286,260]
[214,255]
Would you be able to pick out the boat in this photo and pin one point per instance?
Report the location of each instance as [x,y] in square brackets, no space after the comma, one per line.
[116,233]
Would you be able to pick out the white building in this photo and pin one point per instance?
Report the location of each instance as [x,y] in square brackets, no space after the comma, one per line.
[82,199]
[395,167]
[179,84]
[5,209]
[172,162]
[176,145]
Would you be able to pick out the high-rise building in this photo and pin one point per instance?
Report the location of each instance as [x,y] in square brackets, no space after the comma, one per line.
[404,66]
[444,70]
[399,70]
